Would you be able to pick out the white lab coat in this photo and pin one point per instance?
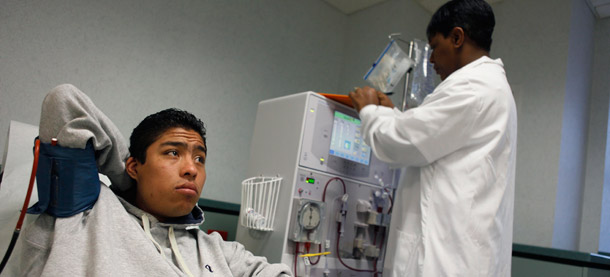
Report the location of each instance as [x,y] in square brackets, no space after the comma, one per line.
[453,213]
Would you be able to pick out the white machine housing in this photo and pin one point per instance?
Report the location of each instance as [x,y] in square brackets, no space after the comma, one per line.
[291,139]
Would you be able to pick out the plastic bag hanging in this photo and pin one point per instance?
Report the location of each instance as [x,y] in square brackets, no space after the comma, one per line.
[389,68]
[422,75]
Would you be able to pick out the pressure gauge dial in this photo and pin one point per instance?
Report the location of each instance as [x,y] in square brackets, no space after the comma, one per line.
[310,216]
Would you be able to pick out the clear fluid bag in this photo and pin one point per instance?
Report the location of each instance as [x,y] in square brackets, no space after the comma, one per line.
[389,68]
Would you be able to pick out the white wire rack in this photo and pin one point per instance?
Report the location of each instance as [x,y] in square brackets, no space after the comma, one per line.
[259,196]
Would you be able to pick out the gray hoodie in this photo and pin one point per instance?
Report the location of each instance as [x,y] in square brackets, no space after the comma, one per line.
[116,238]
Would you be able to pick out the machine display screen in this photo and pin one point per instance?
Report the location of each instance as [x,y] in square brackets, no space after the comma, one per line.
[346,139]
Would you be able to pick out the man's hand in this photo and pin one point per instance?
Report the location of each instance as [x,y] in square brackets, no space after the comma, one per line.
[367,95]
[384,100]
[363,96]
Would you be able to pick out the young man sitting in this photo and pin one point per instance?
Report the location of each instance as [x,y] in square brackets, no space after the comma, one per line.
[147,226]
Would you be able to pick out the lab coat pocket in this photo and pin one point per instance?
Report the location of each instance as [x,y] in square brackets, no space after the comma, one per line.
[405,259]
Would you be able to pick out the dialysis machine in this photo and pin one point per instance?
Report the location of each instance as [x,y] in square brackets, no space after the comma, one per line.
[333,203]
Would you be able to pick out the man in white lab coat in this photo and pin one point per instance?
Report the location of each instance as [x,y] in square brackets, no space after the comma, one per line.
[454,210]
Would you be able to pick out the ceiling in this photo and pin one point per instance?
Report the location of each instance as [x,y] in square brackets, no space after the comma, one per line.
[352,6]
[601,8]
[433,5]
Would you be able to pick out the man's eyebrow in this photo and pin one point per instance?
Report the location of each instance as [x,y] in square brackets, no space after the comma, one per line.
[202,149]
[182,144]
[174,143]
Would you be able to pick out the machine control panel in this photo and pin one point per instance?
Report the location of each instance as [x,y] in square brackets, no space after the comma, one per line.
[333,143]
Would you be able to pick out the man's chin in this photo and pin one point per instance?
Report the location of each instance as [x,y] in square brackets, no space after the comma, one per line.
[180,211]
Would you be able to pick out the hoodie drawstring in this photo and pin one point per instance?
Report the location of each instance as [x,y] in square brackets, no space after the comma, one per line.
[172,241]
[146,224]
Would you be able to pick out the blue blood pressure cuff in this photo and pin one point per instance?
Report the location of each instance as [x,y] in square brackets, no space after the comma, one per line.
[67,180]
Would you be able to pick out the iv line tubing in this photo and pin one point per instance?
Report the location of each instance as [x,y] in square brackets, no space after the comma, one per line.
[24,209]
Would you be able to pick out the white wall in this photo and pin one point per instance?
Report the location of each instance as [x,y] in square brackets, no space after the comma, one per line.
[572,161]
[216,59]
[532,37]
[598,179]
[367,37]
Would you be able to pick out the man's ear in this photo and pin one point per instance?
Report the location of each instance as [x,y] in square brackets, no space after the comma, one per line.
[131,167]
[457,36]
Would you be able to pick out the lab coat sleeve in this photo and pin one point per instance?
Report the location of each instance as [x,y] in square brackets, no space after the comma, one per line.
[422,135]
[380,133]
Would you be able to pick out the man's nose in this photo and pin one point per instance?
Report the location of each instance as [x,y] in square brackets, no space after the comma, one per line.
[189,168]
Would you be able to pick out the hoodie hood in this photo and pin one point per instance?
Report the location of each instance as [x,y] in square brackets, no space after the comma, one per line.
[193,219]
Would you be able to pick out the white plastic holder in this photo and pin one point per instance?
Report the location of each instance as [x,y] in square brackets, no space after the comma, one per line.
[259,197]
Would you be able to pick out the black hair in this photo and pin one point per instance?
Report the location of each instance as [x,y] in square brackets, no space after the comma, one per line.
[154,125]
[475,17]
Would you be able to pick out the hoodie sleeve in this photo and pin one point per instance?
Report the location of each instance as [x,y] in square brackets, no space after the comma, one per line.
[243,263]
[70,116]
